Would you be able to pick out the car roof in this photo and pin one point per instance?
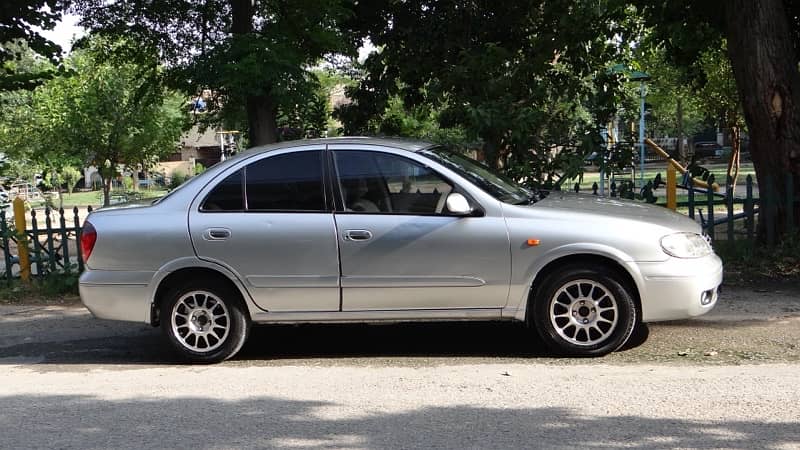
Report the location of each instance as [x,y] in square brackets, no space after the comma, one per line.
[397,143]
[411,145]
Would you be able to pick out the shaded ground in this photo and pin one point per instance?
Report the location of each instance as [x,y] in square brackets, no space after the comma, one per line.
[749,325]
[69,381]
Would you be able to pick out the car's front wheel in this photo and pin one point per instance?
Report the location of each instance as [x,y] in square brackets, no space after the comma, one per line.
[205,322]
[583,311]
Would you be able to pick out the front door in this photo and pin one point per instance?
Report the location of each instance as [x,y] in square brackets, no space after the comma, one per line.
[268,223]
[400,249]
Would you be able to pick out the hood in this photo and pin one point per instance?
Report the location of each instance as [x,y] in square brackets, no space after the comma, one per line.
[616,208]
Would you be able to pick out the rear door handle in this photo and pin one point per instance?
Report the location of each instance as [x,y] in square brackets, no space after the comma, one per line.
[216,234]
[357,235]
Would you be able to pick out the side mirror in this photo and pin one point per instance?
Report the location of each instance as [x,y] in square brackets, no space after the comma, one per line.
[458,205]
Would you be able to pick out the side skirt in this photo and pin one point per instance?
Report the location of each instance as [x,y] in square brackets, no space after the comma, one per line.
[414,315]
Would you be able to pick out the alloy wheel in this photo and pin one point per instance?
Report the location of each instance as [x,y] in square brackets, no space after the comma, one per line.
[584,312]
[200,321]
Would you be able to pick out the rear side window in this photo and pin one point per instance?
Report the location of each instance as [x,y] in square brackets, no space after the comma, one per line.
[227,196]
[289,182]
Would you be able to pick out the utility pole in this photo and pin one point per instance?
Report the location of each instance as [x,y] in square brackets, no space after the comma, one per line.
[227,144]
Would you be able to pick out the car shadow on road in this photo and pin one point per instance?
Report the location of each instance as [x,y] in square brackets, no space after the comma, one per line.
[429,339]
[102,342]
[85,421]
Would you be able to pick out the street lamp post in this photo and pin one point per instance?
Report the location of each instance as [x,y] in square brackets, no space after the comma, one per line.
[641,77]
[641,135]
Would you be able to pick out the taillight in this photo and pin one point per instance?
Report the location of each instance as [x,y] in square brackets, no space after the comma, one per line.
[88,238]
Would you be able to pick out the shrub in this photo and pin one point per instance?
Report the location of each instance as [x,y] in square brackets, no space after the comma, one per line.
[176,179]
[746,260]
[59,286]
[127,183]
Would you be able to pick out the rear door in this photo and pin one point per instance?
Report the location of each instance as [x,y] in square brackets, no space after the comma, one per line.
[269,223]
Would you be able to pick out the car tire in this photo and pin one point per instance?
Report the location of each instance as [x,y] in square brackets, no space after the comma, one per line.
[204,321]
[581,311]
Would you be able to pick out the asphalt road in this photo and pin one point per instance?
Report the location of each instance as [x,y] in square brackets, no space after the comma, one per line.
[70,381]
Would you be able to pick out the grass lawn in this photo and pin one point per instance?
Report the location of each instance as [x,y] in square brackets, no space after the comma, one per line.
[95,198]
[718,170]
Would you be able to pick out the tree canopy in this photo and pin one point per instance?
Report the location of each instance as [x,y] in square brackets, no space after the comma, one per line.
[17,21]
[254,56]
[528,78]
[109,112]
[763,47]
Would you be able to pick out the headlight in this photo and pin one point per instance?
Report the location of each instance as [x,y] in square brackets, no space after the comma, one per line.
[686,245]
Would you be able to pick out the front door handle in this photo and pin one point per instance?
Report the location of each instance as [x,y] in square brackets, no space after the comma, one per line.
[216,234]
[357,235]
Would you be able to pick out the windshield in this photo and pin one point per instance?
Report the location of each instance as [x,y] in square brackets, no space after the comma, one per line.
[495,184]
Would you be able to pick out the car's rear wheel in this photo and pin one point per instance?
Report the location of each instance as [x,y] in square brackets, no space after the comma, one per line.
[205,322]
[584,311]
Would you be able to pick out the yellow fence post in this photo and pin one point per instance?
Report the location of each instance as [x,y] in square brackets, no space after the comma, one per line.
[22,240]
[672,201]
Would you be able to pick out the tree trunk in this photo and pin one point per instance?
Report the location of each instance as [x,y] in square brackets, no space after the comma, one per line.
[262,111]
[491,148]
[764,63]
[107,190]
[262,122]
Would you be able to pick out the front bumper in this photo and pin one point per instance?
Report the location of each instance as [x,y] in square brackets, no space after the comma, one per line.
[679,288]
[116,295]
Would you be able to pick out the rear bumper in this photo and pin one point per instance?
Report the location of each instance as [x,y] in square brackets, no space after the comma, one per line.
[679,288]
[116,295]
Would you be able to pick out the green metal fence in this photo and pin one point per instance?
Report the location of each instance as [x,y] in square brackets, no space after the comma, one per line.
[740,222]
[52,238]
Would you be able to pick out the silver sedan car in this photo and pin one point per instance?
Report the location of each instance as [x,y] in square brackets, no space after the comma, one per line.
[369,230]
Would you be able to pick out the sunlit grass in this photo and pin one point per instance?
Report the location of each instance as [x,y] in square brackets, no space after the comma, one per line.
[95,198]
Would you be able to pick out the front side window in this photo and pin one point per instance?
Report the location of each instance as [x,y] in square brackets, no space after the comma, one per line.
[288,182]
[373,182]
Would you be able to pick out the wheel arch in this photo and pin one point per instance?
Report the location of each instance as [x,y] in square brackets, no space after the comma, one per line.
[184,272]
[588,260]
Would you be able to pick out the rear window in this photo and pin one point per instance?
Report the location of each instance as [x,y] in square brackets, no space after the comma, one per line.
[227,195]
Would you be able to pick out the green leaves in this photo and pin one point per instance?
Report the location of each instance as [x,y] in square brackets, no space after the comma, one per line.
[109,109]
[526,79]
[254,56]
[17,21]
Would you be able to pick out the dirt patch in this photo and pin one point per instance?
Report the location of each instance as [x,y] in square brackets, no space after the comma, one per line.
[757,323]
[23,297]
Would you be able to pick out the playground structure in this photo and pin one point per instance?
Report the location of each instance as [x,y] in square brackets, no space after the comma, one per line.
[25,190]
[683,170]
[698,200]
[702,197]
